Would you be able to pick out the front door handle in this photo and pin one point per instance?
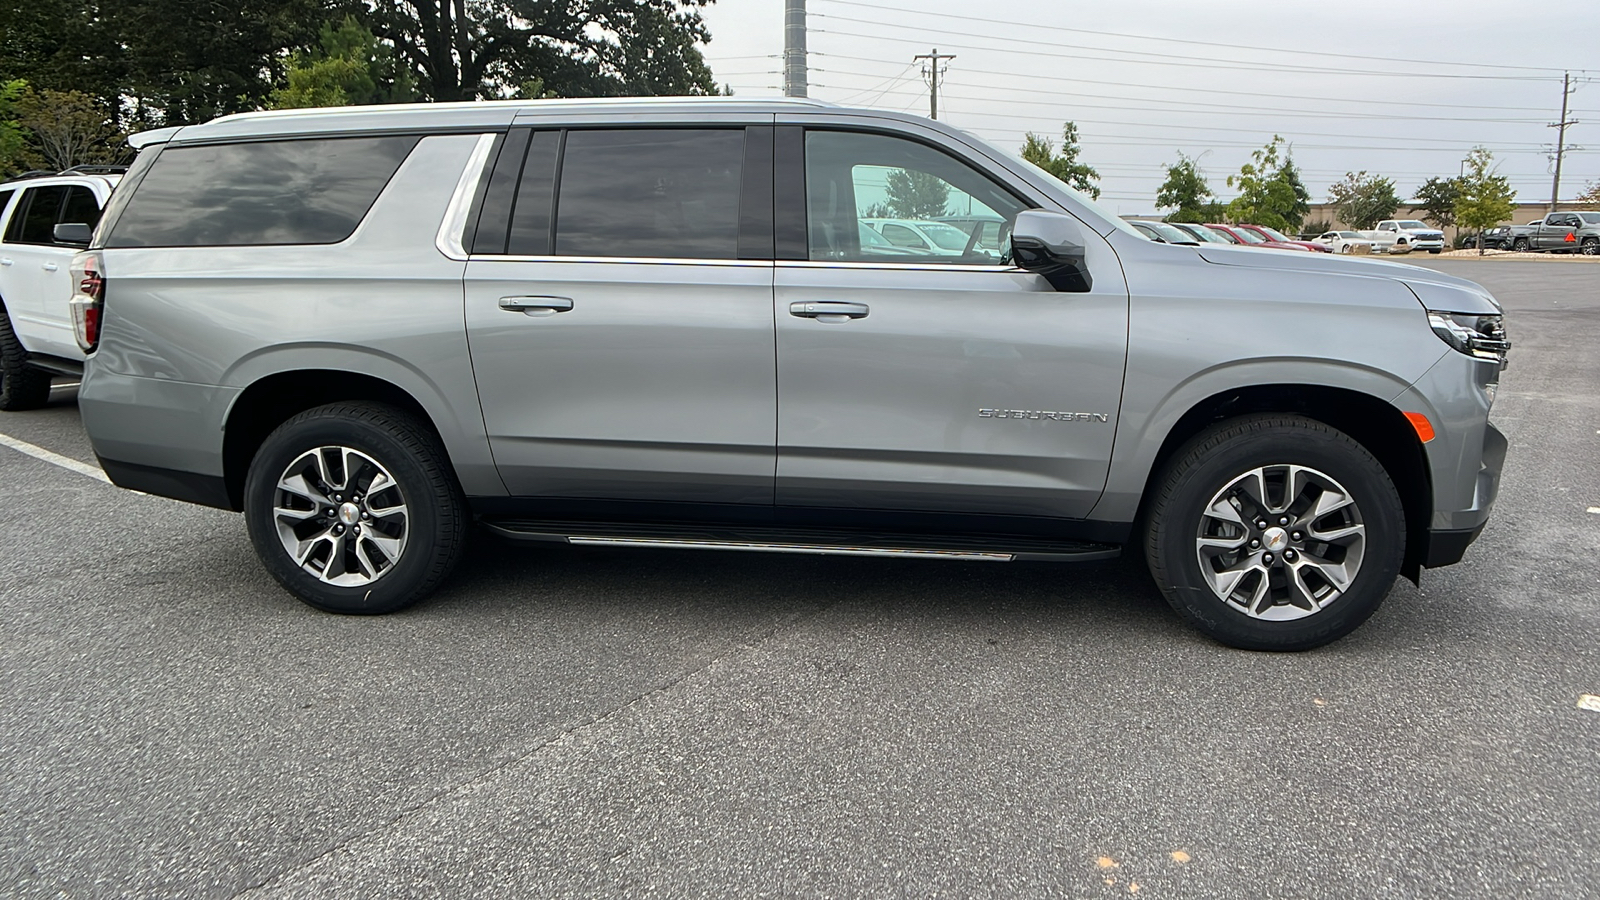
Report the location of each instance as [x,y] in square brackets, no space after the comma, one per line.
[8,261]
[50,267]
[536,306]
[828,310]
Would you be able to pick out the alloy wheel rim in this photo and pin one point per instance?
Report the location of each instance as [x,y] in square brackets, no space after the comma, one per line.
[1281,542]
[341,516]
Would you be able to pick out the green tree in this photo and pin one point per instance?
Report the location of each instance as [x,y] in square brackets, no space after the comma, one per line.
[1041,151]
[1270,190]
[1591,194]
[68,128]
[1438,200]
[1363,200]
[1186,192]
[492,48]
[1486,197]
[916,195]
[13,137]
[349,67]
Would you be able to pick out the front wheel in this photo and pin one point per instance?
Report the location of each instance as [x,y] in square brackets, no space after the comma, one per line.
[1520,245]
[1275,533]
[354,509]
[1590,247]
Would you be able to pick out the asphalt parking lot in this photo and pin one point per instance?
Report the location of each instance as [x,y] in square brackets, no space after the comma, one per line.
[658,723]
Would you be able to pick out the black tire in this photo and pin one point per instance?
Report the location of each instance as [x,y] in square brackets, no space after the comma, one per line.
[1213,459]
[436,520]
[21,385]
[1590,247]
[1520,245]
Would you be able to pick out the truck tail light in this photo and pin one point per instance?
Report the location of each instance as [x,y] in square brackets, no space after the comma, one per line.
[88,298]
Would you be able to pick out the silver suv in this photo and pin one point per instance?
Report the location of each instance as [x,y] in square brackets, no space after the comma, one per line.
[653,323]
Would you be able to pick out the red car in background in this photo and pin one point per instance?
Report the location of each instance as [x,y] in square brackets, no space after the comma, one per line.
[1272,234]
[1253,239]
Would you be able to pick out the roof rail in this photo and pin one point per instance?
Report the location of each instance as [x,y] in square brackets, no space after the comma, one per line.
[32,173]
[95,170]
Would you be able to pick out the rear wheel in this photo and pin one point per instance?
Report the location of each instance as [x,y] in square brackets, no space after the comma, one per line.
[1590,247]
[1275,533]
[21,385]
[354,508]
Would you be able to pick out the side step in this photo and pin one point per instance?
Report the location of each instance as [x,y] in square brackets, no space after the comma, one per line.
[815,541]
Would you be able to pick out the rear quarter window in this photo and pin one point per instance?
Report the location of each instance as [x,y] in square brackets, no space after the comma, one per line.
[313,191]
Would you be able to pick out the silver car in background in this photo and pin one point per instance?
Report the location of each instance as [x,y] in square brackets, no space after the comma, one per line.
[654,323]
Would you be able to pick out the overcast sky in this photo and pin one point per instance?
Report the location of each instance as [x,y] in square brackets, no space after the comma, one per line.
[1146,79]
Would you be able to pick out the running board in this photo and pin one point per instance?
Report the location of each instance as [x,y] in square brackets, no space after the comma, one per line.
[817,542]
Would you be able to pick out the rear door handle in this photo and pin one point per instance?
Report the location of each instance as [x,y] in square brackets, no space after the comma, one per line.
[828,310]
[536,306]
[50,267]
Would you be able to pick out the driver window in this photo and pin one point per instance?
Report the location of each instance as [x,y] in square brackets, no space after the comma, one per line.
[928,206]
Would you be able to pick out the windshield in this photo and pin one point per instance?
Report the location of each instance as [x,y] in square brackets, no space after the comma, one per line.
[1204,233]
[1249,237]
[1171,233]
[948,237]
[870,238]
[1412,223]
[1275,234]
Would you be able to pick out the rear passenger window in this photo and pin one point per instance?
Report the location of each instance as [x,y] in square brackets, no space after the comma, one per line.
[36,219]
[5,197]
[270,192]
[661,193]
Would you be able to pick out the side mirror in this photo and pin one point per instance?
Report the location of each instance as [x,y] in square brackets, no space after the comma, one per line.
[1051,244]
[76,233]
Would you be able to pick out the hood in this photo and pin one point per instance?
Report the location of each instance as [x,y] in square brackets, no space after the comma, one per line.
[1435,290]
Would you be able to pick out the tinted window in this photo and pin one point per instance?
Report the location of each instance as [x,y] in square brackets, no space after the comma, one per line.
[272,192]
[530,223]
[37,222]
[650,193]
[81,206]
[5,197]
[852,176]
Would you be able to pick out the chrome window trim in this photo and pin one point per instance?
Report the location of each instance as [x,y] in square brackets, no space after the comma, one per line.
[455,214]
[626,260]
[909,267]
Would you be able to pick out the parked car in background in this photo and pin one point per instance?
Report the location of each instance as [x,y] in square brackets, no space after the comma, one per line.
[1254,239]
[1163,233]
[1345,242]
[1567,232]
[36,340]
[1418,234]
[992,233]
[1510,237]
[876,245]
[1272,234]
[1203,234]
[937,238]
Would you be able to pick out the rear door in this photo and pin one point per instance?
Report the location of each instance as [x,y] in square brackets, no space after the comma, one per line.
[946,384]
[619,311]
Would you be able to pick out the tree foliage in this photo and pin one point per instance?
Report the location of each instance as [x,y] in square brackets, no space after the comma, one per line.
[1363,200]
[916,195]
[1486,197]
[492,48]
[349,67]
[1591,194]
[1185,192]
[1438,200]
[1041,151]
[13,137]
[1270,190]
[68,128]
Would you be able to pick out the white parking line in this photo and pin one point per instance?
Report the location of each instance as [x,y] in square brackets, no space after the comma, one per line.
[1595,510]
[54,459]
[1589,702]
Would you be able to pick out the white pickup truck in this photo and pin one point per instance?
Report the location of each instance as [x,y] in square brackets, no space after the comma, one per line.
[36,337]
[1404,236]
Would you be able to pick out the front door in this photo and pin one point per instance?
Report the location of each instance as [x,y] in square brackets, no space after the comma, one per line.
[930,382]
[622,347]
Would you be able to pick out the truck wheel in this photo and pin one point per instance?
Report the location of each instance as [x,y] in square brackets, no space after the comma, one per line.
[1520,244]
[21,385]
[1274,532]
[354,508]
[1590,247]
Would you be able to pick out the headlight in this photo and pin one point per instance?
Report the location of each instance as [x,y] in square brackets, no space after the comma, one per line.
[1481,337]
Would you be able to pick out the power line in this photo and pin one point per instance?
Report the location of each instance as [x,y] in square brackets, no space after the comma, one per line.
[933,72]
[1158,59]
[1034,26]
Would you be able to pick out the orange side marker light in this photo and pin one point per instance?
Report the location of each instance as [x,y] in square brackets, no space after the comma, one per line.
[1422,425]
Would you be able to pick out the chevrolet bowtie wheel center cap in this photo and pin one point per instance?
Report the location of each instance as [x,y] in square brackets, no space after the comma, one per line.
[1274,538]
[350,514]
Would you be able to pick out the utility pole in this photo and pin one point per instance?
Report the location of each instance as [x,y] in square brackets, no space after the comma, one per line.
[933,72]
[794,48]
[1561,138]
